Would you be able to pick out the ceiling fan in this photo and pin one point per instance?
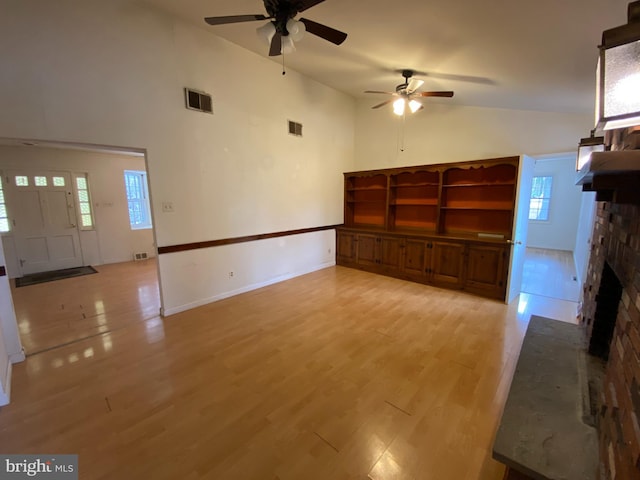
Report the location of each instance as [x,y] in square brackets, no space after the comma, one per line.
[283,29]
[407,95]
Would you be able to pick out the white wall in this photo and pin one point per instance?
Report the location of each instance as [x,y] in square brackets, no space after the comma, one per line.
[582,250]
[113,240]
[5,372]
[446,133]
[10,346]
[559,233]
[113,73]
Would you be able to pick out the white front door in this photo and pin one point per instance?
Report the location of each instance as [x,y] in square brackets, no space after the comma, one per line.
[520,227]
[43,215]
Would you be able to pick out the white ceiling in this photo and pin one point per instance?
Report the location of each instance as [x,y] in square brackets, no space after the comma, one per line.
[522,54]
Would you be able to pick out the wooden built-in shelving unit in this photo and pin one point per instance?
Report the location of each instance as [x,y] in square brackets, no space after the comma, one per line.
[442,223]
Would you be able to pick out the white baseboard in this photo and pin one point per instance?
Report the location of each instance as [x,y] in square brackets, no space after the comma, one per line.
[5,390]
[205,301]
[18,357]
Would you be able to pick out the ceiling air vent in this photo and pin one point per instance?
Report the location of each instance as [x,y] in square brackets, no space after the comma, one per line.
[196,100]
[295,128]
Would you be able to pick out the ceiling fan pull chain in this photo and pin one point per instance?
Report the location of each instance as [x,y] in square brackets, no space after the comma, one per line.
[404,119]
[283,70]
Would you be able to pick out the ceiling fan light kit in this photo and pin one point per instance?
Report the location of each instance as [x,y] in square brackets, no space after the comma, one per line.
[296,29]
[266,32]
[408,94]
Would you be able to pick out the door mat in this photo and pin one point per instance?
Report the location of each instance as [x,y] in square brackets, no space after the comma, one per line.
[43,277]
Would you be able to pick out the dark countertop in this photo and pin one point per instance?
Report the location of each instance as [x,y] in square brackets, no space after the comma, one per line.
[541,433]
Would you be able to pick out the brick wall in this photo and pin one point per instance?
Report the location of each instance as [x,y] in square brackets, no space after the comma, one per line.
[616,239]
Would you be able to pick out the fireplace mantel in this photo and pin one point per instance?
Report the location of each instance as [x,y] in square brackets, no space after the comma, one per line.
[613,175]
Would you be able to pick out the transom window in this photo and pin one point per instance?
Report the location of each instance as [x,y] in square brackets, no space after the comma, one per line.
[22,181]
[540,198]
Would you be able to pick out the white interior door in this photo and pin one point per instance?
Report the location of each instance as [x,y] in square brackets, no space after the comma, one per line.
[520,227]
[43,217]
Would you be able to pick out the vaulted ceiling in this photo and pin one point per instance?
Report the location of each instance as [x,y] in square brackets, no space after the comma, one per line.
[496,53]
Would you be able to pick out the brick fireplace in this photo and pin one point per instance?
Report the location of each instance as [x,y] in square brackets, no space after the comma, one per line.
[616,250]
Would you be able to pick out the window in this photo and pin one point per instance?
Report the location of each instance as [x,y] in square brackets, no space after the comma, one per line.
[84,202]
[22,181]
[135,183]
[4,218]
[540,198]
[40,181]
[58,181]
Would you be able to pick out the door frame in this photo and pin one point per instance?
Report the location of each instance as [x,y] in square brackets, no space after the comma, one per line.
[520,227]
[8,321]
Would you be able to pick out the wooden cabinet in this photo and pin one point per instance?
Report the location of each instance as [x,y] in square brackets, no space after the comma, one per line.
[390,252]
[447,264]
[346,247]
[486,270]
[417,258]
[367,249]
[442,224]
[472,265]
[370,250]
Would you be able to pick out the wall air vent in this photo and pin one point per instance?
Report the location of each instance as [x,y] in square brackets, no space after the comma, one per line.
[196,100]
[295,128]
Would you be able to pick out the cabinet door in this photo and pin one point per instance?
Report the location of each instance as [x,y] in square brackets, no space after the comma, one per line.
[366,249]
[486,270]
[447,263]
[416,256]
[346,247]
[391,252]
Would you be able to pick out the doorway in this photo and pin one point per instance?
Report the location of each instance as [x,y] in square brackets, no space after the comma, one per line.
[67,206]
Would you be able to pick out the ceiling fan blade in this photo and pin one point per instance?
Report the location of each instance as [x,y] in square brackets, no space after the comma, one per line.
[433,94]
[383,104]
[414,84]
[378,91]
[305,4]
[234,19]
[322,31]
[276,45]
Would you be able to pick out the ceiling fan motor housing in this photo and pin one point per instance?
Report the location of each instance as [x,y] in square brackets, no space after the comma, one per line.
[402,88]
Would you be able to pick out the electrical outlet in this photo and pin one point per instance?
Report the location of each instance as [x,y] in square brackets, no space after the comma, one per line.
[230,274]
[167,207]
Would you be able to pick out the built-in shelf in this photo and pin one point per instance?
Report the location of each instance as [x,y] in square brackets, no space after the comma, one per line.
[360,189]
[412,185]
[480,184]
[491,209]
[422,203]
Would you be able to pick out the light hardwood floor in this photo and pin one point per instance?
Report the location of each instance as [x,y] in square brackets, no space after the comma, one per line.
[338,374]
[56,313]
[551,273]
